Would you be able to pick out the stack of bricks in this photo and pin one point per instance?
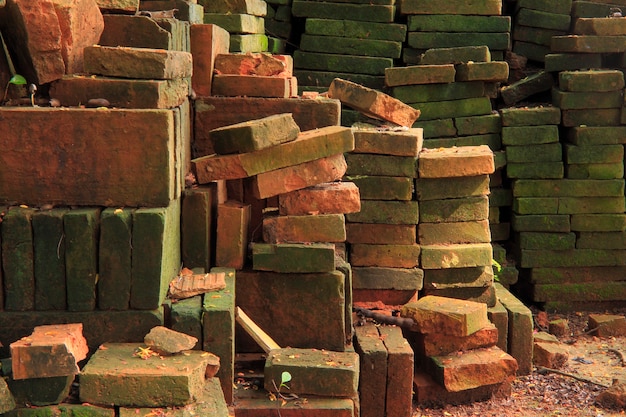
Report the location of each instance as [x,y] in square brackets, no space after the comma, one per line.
[453,232]
[279,26]
[243,19]
[457,359]
[455,24]
[354,40]
[535,23]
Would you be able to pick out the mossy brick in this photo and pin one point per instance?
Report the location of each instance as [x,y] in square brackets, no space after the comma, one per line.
[529,135]
[236,23]
[543,19]
[478,276]
[421,93]
[49,259]
[535,170]
[530,116]
[520,331]
[372,103]
[314,372]
[252,7]
[584,43]
[571,258]
[380,234]
[419,74]
[198,225]
[385,278]
[209,403]
[499,317]
[494,215]
[611,222]
[522,89]
[218,329]
[499,158]
[554,6]
[341,63]
[18,259]
[383,188]
[532,51]
[402,143]
[453,55]
[356,29]
[386,212]
[586,100]
[81,227]
[309,145]
[327,198]
[599,171]
[292,257]
[605,26]
[457,23]
[314,80]
[388,255]
[550,152]
[478,125]
[601,240]
[162,381]
[590,205]
[455,255]
[593,291]
[489,7]
[436,128]
[491,140]
[354,46]
[186,316]
[400,365]
[596,135]
[142,63]
[63,410]
[40,391]
[233,219]
[7,402]
[303,229]
[454,210]
[381,13]
[500,197]
[372,370]
[74,90]
[254,135]
[541,223]
[593,154]
[591,80]
[454,108]
[572,61]
[134,169]
[536,205]
[114,259]
[454,233]
[252,42]
[275,300]
[535,35]
[442,315]
[576,274]
[568,188]
[156,254]
[468,161]
[550,241]
[496,71]
[442,188]
[134,31]
[381,165]
[593,8]
[428,40]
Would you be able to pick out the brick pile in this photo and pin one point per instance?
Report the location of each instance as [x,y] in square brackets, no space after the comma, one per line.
[243,19]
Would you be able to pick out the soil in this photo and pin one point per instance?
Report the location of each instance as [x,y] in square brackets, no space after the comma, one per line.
[549,394]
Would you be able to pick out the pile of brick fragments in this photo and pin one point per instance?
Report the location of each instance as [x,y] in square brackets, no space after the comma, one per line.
[196,221]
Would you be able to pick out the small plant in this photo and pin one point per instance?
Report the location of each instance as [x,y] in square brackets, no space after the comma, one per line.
[497,268]
[15,80]
[285,377]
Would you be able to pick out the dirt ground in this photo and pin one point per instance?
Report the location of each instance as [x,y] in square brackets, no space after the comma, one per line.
[542,395]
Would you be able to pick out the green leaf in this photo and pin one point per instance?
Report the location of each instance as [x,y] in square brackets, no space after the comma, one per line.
[285,377]
[17,79]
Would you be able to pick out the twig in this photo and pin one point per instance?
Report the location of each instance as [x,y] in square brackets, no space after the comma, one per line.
[544,370]
[405,322]
[620,356]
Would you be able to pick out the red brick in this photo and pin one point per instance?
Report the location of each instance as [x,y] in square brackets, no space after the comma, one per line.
[207,41]
[302,229]
[380,234]
[373,369]
[465,161]
[251,86]
[262,64]
[32,32]
[232,234]
[430,393]
[52,350]
[550,355]
[297,177]
[437,344]
[119,6]
[214,112]
[327,198]
[607,324]
[135,31]
[399,399]
[373,103]
[257,404]
[81,25]
[198,219]
[388,297]
[381,142]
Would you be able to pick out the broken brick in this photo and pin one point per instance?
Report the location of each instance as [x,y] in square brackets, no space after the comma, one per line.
[326,198]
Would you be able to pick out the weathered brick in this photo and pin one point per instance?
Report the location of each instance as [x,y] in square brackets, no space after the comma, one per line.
[198,223]
[571,258]
[232,234]
[568,188]
[591,80]
[456,162]
[598,222]
[293,257]
[455,209]
[403,143]
[497,71]
[134,31]
[567,100]
[478,125]
[261,64]
[356,29]
[252,86]
[520,334]
[420,74]
[607,325]
[381,165]
[429,393]
[498,315]
[259,405]
[454,233]
[302,229]
[338,45]
[207,41]
[428,40]
[256,42]
[40,391]
[392,256]
[549,355]
[155,382]
[481,276]
[400,360]
[552,241]
[549,152]
[380,233]
[252,7]
[541,223]
[456,256]
[543,19]
[328,198]
[595,171]
[114,259]
[530,116]
[460,23]
[536,205]
[383,13]
[454,108]
[372,370]
[484,295]
[237,23]
[490,7]
[7,402]
[18,259]
[309,145]
[386,212]
[119,6]
[383,278]
[342,63]
[534,35]
[372,103]
[442,188]
[596,43]
[591,117]
[376,187]
[420,93]
[535,170]
[529,135]
[577,154]
[572,61]
[143,63]
[526,87]
[297,177]
[435,344]
[558,6]
[186,316]
[586,292]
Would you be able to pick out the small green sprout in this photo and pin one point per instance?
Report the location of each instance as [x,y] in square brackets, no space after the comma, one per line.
[17,79]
